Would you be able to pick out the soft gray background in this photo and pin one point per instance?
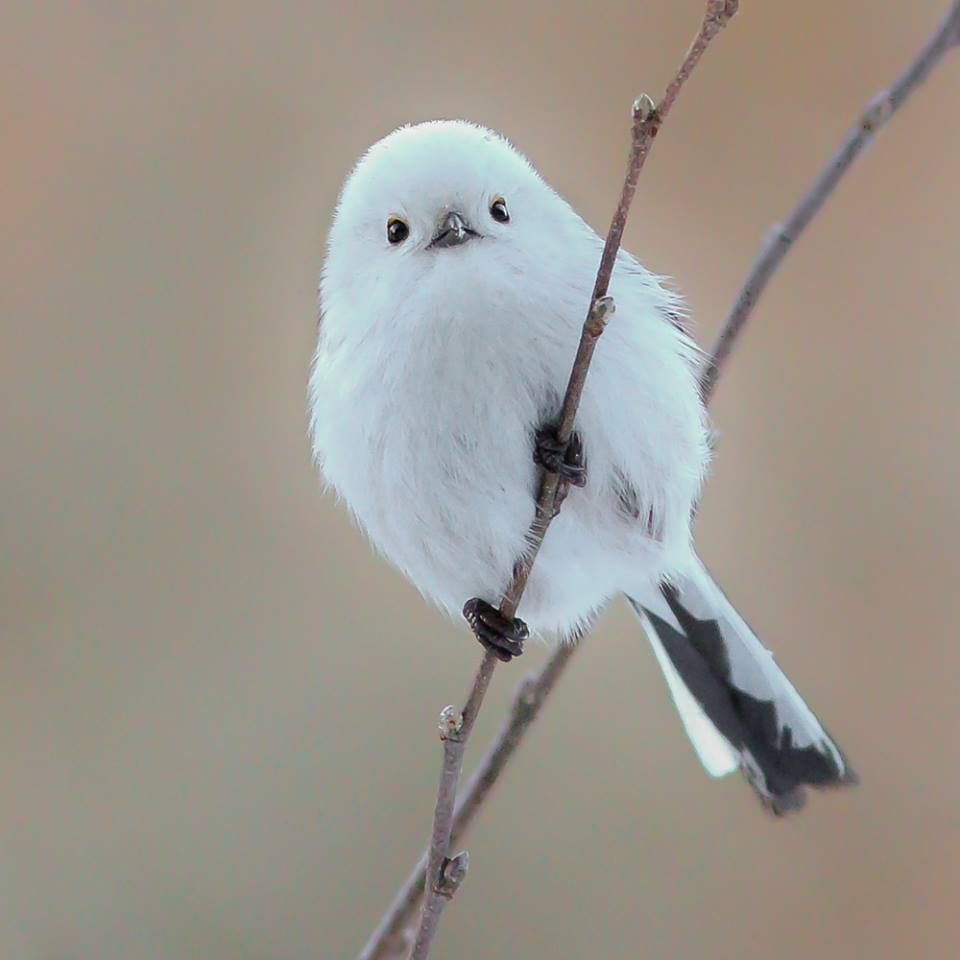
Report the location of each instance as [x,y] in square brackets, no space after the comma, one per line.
[217,708]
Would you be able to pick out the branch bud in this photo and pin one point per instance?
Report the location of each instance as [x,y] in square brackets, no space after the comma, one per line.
[452,873]
[721,12]
[601,311]
[643,108]
[450,723]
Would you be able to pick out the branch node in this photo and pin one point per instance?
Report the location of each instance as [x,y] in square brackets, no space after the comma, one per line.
[452,872]
[719,14]
[878,111]
[778,235]
[451,723]
[723,12]
[644,109]
[601,311]
[526,699]
[527,691]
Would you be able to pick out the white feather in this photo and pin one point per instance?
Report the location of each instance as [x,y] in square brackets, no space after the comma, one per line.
[435,366]
[714,750]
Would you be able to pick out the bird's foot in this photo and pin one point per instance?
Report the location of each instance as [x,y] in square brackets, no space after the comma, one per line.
[565,461]
[501,635]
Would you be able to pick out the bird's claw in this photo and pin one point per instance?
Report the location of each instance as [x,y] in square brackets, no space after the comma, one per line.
[502,636]
[567,461]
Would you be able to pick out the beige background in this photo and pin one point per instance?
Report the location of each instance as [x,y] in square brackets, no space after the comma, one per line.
[217,708]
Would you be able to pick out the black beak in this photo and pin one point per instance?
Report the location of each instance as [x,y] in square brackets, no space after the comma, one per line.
[452,231]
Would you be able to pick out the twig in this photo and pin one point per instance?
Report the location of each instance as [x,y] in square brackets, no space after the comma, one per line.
[390,937]
[443,875]
[782,237]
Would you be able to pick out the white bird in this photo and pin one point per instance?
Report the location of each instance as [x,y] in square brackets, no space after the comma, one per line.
[453,292]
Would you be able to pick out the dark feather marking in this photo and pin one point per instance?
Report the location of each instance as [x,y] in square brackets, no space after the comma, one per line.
[628,500]
[750,724]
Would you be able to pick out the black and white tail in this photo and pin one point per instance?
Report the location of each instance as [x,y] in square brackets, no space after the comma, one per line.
[736,704]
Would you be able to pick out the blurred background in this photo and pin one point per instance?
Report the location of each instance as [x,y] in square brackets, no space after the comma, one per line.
[217,708]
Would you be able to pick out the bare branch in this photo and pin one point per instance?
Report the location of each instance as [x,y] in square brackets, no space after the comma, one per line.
[391,935]
[782,237]
[391,938]
[439,883]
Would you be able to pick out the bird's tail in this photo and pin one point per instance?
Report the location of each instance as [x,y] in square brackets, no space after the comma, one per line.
[736,704]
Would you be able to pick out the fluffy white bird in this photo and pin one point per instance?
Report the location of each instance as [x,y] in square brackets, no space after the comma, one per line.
[454,289]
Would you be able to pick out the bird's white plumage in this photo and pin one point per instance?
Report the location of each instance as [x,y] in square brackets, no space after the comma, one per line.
[439,356]
[435,366]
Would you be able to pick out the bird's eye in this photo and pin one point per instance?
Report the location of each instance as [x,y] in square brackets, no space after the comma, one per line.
[498,210]
[397,230]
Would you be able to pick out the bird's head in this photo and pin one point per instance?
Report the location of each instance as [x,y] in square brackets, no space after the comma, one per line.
[436,203]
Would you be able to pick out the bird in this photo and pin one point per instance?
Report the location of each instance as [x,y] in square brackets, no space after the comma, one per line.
[452,296]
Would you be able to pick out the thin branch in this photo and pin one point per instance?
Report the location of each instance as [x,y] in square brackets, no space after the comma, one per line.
[782,237]
[391,936]
[441,881]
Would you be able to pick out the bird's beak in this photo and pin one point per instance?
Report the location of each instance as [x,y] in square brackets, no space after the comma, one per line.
[452,231]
